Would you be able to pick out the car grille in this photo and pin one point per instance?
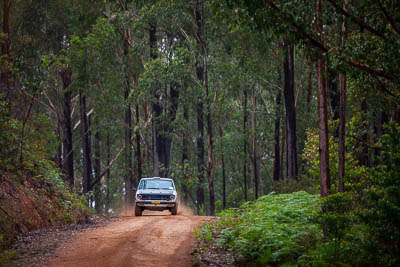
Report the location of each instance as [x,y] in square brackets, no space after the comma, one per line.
[155,197]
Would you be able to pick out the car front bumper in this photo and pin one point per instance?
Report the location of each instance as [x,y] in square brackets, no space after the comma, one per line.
[155,203]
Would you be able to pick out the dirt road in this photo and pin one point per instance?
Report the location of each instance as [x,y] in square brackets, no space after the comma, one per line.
[154,239]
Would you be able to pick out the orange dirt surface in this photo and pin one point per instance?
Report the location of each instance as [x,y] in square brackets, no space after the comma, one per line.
[154,239]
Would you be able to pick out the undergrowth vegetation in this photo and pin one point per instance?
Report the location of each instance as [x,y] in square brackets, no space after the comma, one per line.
[274,229]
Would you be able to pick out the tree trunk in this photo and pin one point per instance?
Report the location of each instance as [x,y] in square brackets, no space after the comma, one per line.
[87,164]
[245,144]
[156,164]
[223,171]
[108,198]
[283,142]
[128,134]
[323,131]
[128,152]
[199,109]
[342,117]
[156,107]
[68,154]
[254,141]
[322,116]
[210,168]
[5,51]
[210,146]
[200,156]
[98,198]
[309,88]
[277,162]
[138,148]
[289,94]
[185,155]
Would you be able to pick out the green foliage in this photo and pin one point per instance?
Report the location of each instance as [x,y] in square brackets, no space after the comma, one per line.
[354,173]
[362,225]
[382,213]
[338,220]
[37,142]
[274,229]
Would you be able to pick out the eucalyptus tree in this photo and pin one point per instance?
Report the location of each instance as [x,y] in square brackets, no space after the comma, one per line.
[46,29]
[289,95]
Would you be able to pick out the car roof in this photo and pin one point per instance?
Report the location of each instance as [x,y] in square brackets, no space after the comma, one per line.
[156,178]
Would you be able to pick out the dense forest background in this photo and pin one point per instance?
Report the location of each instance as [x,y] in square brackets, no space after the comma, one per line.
[232,99]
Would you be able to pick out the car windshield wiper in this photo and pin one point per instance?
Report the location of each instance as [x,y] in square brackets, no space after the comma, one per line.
[153,188]
[166,188]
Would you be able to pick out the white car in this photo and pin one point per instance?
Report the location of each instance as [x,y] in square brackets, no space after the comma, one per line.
[156,194]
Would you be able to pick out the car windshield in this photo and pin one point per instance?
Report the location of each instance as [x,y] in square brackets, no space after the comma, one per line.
[156,184]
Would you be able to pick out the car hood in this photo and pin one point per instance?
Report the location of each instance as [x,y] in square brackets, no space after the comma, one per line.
[156,191]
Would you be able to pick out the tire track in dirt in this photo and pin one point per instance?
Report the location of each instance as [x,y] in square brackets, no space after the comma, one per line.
[154,239]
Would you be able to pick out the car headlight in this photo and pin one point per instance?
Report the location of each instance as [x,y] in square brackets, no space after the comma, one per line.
[139,196]
[172,197]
